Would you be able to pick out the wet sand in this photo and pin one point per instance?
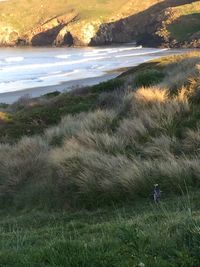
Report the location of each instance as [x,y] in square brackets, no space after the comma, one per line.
[11,97]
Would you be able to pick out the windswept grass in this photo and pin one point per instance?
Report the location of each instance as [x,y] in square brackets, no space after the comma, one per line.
[106,153]
[32,116]
[110,153]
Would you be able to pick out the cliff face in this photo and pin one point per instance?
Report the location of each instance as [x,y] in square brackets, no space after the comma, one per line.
[159,24]
[163,24]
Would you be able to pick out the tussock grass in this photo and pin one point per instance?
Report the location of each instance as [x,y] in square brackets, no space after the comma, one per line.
[109,155]
[180,72]
[151,95]
[133,130]
[68,127]
[192,141]
[99,121]
[160,146]
[114,152]
[24,172]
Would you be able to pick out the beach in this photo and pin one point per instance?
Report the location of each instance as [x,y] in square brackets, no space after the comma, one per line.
[12,97]
[38,71]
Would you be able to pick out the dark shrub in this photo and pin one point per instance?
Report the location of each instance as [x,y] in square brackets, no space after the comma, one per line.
[148,77]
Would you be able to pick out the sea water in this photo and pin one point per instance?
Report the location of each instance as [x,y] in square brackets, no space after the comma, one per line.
[29,68]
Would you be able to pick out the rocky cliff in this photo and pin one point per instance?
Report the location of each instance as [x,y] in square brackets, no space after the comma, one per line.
[154,23]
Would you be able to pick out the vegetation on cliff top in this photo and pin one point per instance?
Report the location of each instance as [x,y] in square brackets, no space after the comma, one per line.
[34,13]
[187,22]
[186,26]
[25,20]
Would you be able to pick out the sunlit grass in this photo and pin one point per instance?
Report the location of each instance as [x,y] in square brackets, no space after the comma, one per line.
[187,23]
[33,13]
[80,192]
[109,153]
[5,117]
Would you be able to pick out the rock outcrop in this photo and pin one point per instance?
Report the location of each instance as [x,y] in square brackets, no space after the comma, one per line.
[149,28]
[8,36]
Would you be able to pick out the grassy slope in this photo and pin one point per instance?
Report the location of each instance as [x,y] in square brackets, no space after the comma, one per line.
[115,133]
[35,116]
[188,22]
[35,13]
[90,9]
[166,235]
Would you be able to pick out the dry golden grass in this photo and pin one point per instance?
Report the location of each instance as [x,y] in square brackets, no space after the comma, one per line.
[110,154]
[151,95]
[4,117]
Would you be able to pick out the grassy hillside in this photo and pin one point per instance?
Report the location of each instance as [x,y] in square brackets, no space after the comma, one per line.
[129,137]
[34,22]
[188,22]
[36,12]
[32,116]
[79,193]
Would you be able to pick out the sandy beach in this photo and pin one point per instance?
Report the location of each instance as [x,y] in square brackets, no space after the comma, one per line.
[38,71]
[11,97]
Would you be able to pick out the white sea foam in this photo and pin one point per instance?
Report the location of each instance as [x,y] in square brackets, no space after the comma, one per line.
[125,49]
[14,59]
[108,51]
[49,65]
[50,76]
[46,67]
[114,50]
[63,56]
[142,53]
[54,72]
[6,87]
[94,54]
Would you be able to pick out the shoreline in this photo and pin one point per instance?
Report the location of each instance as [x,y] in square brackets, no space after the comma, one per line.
[11,97]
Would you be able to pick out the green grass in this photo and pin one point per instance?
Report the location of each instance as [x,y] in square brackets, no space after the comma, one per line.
[29,120]
[33,13]
[20,18]
[164,235]
[79,194]
[115,141]
[148,77]
[188,22]
[185,26]
[34,119]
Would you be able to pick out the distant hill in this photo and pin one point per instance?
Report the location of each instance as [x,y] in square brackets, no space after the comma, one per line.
[94,22]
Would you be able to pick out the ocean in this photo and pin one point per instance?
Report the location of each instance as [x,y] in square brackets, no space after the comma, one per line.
[22,69]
